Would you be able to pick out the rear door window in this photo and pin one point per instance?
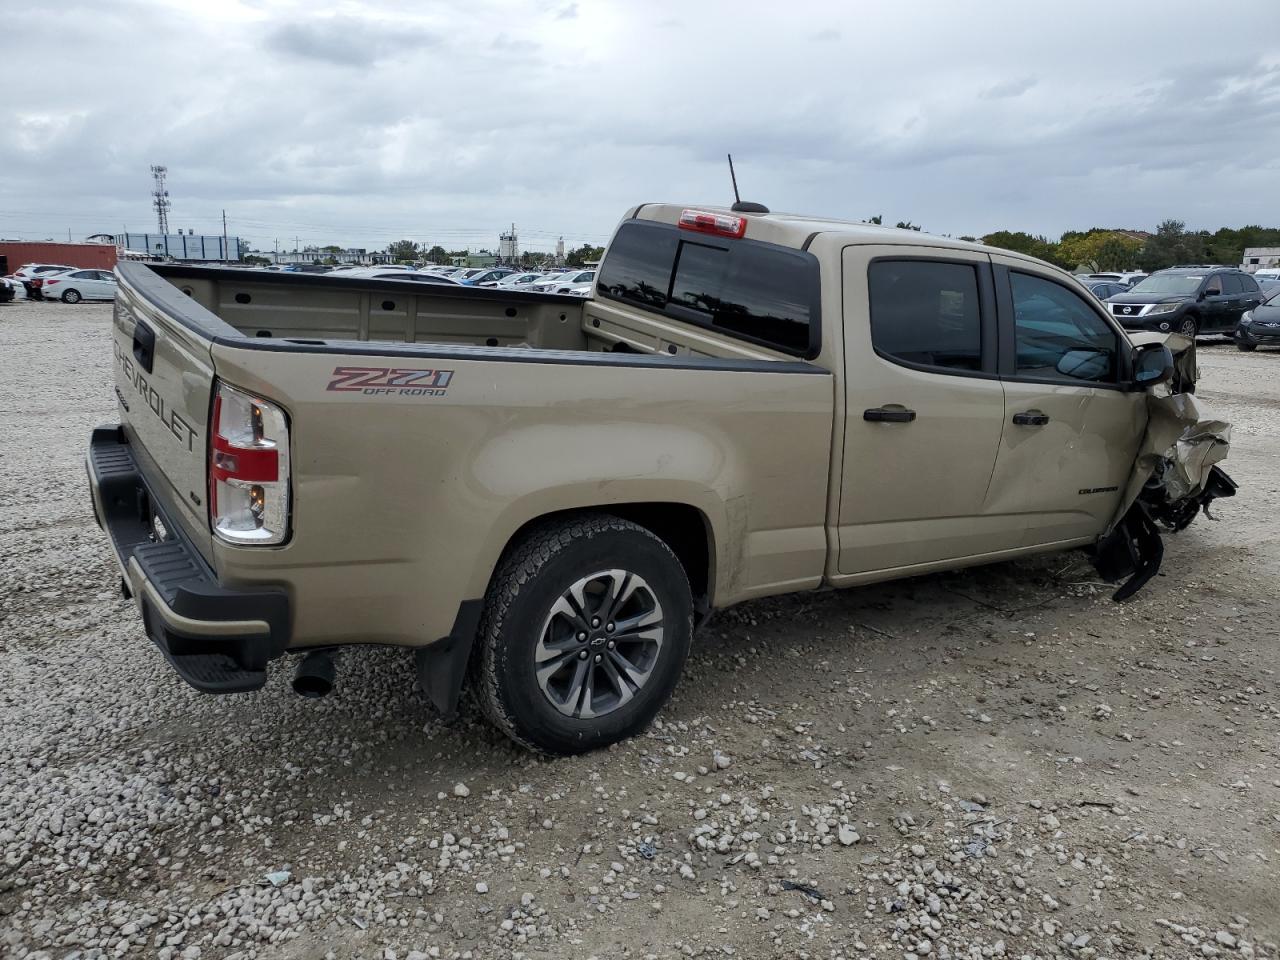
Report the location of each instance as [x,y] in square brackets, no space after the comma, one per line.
[747,289]
[1248,284]
[926,313]
[1231,284]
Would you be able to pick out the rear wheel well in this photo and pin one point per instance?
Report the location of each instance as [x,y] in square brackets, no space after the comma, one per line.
[685,529]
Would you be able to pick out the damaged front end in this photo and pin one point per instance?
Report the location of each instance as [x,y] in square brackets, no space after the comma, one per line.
[1175,476]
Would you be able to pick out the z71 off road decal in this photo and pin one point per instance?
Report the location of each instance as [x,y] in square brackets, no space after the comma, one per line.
[390,381]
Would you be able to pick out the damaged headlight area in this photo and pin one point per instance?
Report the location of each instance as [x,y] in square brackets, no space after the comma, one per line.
[1174,479]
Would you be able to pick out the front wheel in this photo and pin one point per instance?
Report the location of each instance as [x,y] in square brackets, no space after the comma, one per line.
[1189,327]
[71,296]
[586,628]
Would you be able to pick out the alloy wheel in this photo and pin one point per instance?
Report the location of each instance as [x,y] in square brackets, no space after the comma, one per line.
[599,644]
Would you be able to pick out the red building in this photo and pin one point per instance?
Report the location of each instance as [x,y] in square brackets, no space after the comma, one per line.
[15,253]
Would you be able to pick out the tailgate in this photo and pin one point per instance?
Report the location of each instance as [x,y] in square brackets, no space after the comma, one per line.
[164,377]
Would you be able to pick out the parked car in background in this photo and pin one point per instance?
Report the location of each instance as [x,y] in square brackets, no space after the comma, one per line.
[513,280]
[1128,278]
[8,289]
[485,276]
[1102,289]
[34,271]
[562,282]
[72,286]
[1260,327]
[396,273]
[1188,300]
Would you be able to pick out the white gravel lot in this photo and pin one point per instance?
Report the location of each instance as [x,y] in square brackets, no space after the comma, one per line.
[994,763]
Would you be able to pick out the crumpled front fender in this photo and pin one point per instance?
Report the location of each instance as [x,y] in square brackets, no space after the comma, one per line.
[1182,441]
[1175,474]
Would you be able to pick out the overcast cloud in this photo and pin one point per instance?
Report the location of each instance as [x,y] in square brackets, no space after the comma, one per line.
[444,122]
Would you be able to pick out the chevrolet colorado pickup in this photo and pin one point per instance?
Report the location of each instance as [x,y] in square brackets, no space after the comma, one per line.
[546,494]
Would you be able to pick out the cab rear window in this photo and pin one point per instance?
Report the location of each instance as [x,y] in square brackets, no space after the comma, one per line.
[750,290]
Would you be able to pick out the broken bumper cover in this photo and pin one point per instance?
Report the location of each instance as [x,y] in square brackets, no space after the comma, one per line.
[1175,477]
[217,639]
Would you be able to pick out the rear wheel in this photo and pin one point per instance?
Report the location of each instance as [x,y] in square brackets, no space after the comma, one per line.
[586,628]
[1246,347]
[1189,327]
[71,296]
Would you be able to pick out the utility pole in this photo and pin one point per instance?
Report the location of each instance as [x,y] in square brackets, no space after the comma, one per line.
[277,254]
[226,252]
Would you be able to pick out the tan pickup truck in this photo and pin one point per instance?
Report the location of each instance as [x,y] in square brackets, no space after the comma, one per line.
[547,494]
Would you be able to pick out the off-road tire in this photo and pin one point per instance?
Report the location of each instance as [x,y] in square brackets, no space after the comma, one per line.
[1246,347]
[531,577]
[71,296]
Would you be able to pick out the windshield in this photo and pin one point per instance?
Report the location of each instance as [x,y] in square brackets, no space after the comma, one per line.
[1272,295]
[1170,284]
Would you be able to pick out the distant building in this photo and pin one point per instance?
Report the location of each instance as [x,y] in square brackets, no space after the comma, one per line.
[1255,257]
[509,246]
[18,253]
[351,255]
[192,247]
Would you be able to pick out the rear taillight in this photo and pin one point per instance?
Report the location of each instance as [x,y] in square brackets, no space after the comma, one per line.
[248,468]
[49,283]
[718,224]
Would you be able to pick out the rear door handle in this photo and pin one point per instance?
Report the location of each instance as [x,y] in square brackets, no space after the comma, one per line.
[1030,418]
[889,414]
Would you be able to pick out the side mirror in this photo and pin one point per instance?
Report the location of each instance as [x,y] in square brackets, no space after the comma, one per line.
[1152,364]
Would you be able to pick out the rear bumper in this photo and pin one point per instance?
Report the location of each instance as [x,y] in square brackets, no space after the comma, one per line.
[217,639]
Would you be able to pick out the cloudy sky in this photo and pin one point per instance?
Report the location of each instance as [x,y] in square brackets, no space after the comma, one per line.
[444,122]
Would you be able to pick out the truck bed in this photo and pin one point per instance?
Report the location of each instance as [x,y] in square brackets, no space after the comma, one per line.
[428,426]
[301,306]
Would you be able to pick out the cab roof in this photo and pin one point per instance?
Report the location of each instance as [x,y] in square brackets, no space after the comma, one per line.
[799,230]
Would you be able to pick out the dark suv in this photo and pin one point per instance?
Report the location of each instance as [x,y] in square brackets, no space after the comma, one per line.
[1189,300]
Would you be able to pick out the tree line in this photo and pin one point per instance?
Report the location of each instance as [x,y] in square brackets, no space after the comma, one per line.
[1111,248]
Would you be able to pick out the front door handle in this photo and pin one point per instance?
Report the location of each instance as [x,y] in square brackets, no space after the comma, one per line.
[1030,418]
[889,414]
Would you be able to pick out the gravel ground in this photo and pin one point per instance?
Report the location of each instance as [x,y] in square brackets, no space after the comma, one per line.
[999,762]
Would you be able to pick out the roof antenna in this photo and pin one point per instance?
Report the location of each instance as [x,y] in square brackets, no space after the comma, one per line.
[740,205]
